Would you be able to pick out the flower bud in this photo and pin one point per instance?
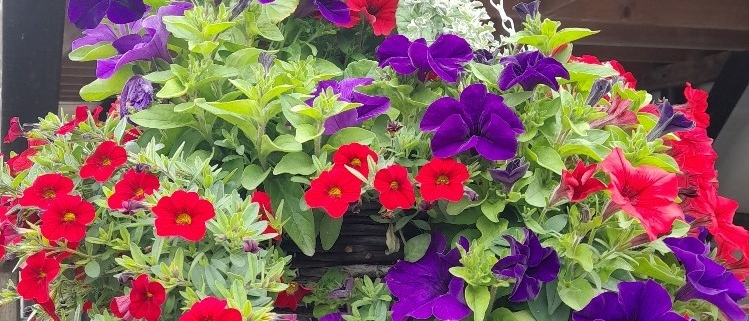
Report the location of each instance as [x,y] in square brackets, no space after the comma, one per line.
[266,60]
[136,95]
[250,246]
[600,88]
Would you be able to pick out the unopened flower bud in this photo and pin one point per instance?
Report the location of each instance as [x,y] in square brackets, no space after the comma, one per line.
[238,8]
[470,193]
[266,60]
[393,127]
[136,95]
[527,9]
[125,277]
[425,206]
[140,167]
[600,88]
[130,207]
[250,246]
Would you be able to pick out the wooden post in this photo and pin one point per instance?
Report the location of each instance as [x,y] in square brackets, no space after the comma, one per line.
[11,311]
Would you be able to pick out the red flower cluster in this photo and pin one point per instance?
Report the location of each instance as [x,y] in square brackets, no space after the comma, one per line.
[442,178]
[577,185]
[290,298]
[646,193]
[266,212]
[379,13]
[211,309]
[81,115]
[134,186]
[107,157]
[183,214]
[395,188]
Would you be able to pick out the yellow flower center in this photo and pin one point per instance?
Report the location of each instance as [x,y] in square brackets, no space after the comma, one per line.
[355,162]
[442,180]
[334,192]
[149,295]
[49,193]
[106,162]
[184,219]
[68,217]
[139,192]
[293,287]
[394,185]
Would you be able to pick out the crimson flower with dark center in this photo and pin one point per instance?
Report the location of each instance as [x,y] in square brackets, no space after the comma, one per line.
[290,298]
[36,275]
[183,214]
[134,186]
[266,211]
[396,190]
[355,155]
[67,218]
[442,178]
[333,190]
[146,299]
[45,190]
[211,309]
[646,193]
[107,157]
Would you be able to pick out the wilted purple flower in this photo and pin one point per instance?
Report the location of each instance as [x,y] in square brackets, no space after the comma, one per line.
[669,122]
[344,291]
[87,14]
[530,69]
[129,207]
[635,301]
[444,57]
[393,127]
[483,56]
[335,11]
[706,279]
[600,88]
[426,288]
[480,120]
[619,114]
[135,46]
[470,194]
[136,95]
[524,9]
[529,264]
[371,105]
[250,246]
[141,167]
[425,205]
[125,277]
[514,171]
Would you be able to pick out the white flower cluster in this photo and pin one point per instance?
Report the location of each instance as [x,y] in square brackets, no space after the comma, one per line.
[430,18]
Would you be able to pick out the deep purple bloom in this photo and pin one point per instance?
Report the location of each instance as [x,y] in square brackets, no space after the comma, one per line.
[480,120]
[529,264]
[136,95]
[635,301]
[514,171]
[371,105]
[335,316]
[335,11]
[483,56]
[426,288]
[527,9]
[135,46]
[707,280]
[87,14]
[669,122]
[444,57]
[600,88]
[530,69]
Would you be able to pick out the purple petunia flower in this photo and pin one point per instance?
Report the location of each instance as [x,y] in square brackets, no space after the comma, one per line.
[444,57]
[514,171]
[529,69]
[524,9]
[426,288]
[529,264]
[480,120]
[483,56]
[87,14]
[706,279]
[371,105]
[335,11]
[136,95]
[134,46]
[335,316]
[669,122]
[635,301]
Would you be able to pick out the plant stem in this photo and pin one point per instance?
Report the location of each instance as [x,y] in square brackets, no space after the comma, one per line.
[259,144]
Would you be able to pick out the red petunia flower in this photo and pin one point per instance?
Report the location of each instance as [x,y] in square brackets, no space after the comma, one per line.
[21,162]
[379,13]
[81,115]
[146,299]
[104,161]
[291,297]
[120,307]
[394,187]
[577,185]
[646,193]
[442,178]
[333,190]
[183,214]
[696,107]
[36,275]
[588,59]
[14,131]
[49,308]
[131,134]
[135,185]
[45,190]
[211,309]
[8,235]
[266,212]
[355,156]
[67,218]
[630,81]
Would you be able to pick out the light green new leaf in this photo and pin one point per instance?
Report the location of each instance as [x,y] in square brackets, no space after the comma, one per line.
[101,89]
[351,135]
[306,132]
[93,52]
[278,10]
[161,117]
[172,88]
[576,294]
[549,158]
[253,175]
[569,35]
[478,299]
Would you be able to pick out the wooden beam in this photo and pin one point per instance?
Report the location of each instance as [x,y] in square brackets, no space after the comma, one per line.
[550,7]
[621,35]
[728,88]
[701,71]
[9,311]
[652,55]
[693,14]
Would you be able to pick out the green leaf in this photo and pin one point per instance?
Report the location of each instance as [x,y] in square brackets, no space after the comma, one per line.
[514,99]
[283,143]
[478,299]
[584,254]
[298,163]
[536,193]
[581,71]
[101,89]
[549,158]
[92,269]
[93,52]
[306,132]
[159,77]
[503,314]
[556,223]
[569,35]
[326,68]
[656,268]
[416,247]
[172,88]
[540,308]
[253,175]
[278,10]
[351,135]
[362,69]
[486,73]
[243,58]
[301,223]
[161,117]
[330,229]
[268,30]
[662,161]
[576,294]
